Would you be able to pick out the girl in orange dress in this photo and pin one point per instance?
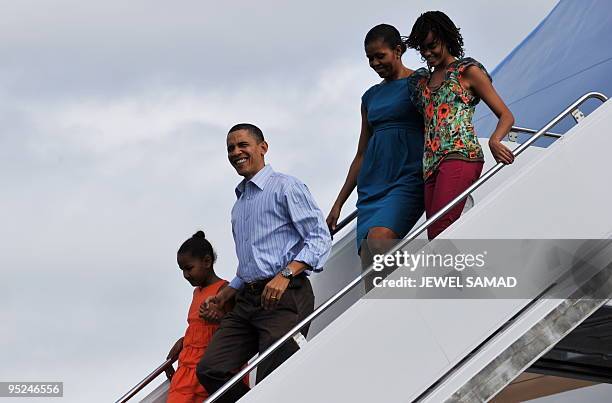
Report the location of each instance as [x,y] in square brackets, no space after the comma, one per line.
[195,259]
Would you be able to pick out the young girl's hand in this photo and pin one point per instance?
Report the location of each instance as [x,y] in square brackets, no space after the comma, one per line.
[173,354]
[500,152]
[211,311]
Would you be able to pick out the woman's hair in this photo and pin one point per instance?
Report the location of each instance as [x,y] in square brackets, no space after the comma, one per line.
[388,34]
[442,28]
[198,246]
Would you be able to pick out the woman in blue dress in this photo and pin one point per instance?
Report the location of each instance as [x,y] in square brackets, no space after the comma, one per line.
[387,168]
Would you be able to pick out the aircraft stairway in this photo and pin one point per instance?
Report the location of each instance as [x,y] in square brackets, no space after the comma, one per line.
[434,350]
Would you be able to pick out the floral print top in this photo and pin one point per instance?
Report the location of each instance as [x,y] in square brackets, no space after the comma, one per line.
[448,112]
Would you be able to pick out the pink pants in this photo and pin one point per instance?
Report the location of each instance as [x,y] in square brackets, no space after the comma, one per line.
[448,181]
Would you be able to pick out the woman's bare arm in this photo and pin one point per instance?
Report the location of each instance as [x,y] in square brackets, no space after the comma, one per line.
[477,81]
[351,178]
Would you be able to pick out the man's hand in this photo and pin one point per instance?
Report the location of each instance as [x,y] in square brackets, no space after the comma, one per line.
[212,309]
[173,354]
[274,291]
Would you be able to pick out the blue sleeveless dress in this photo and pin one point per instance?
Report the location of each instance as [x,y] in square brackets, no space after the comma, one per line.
[390,182]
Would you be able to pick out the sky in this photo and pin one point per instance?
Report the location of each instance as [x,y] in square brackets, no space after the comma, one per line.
[112,153]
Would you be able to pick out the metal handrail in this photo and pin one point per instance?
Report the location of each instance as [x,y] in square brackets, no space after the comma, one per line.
[518,129]
[408,238]
[148,379]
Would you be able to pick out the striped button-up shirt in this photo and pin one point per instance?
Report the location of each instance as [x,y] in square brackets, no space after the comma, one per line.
[275,221]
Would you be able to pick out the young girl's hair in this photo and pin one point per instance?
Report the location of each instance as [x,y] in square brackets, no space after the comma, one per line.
[442,28]
[198,246]
[388,34]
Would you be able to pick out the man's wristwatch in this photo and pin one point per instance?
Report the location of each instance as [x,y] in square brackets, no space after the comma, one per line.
[287,273]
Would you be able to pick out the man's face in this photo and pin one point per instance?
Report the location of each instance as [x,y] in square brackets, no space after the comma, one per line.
[245,154]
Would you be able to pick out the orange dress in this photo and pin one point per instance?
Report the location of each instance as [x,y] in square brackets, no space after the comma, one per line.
[184,387]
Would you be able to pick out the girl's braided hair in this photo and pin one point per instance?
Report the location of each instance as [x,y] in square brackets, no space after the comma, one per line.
[442,28]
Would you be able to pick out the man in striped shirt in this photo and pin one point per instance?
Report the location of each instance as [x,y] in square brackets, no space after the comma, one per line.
[280,234]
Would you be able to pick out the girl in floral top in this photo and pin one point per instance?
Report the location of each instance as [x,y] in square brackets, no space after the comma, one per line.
[447,94]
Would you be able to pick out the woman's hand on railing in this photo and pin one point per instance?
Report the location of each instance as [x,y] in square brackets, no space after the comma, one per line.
[333,216]
[173,354]
[500,152]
